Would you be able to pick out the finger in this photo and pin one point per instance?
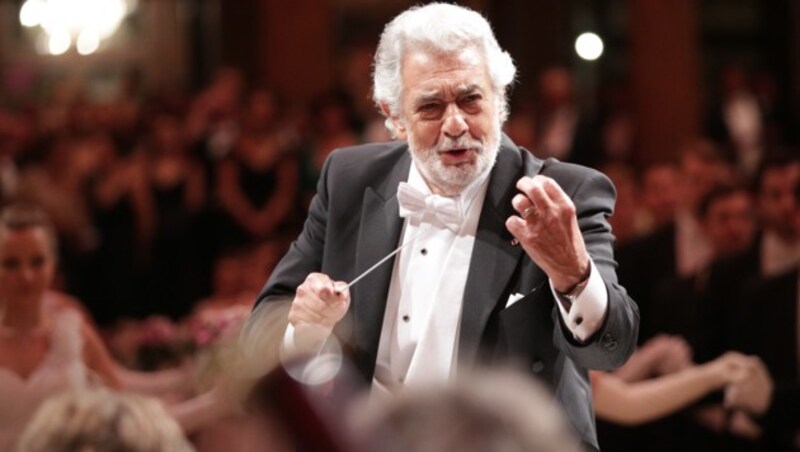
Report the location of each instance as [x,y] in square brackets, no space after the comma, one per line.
[321,285]
[516,226]
[323,311]
[341,290]
[730,396]
[302,313]
[523,205]
[534,190]
[564,206]
[753,362]
[554,191]
[317,304]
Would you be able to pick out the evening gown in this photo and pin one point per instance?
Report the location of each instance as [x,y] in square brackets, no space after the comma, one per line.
[62,369]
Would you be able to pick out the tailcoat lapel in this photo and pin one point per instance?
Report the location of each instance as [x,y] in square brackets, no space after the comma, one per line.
[494,258]
[379,234]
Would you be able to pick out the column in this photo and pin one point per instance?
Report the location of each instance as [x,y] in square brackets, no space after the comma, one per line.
[665,73]
[297,50]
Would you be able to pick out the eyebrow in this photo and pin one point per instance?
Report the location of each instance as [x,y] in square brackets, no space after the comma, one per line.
[461,90]
[435,95]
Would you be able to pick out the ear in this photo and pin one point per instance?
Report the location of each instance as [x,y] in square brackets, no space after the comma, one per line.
[399,125]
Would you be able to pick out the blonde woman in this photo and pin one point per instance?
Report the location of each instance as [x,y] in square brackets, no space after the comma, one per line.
[42,351]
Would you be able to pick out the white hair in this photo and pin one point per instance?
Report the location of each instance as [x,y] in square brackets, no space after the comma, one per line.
[442,28]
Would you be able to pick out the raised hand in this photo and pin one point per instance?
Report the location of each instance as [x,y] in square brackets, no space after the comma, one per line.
[548,231]
[319,304]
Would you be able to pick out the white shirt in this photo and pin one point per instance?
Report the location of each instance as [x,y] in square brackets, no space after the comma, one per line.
[777,256]
[559,133]
[423,308]
[742,115]
[693,251]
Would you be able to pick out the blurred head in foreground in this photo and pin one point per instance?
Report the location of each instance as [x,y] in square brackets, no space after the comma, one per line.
[485,411]
[101,420]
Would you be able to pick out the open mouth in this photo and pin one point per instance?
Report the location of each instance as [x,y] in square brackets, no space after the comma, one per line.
[457,153]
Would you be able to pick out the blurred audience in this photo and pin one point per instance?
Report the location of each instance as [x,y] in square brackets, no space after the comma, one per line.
[659,195]
[257,184]
[780,241]
[676,253]
[175,195]
[738,121]
[627,221]
[563,131]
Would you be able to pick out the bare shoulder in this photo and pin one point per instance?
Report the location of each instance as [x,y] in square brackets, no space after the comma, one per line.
[58,301]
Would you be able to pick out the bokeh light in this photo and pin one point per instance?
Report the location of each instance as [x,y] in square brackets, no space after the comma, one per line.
[85,22]
[589,46]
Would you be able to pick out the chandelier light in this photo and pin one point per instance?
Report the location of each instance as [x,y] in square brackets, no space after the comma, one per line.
[83,23]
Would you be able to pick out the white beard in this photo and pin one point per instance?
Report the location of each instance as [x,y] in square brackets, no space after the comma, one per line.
[452,179]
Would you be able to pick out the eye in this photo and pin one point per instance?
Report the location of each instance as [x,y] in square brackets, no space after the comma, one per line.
[429,107]
[472,98]
[38,261]
[10,263]
[471,103]
[430,110]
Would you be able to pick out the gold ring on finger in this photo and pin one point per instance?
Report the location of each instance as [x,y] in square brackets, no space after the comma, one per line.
[529,211]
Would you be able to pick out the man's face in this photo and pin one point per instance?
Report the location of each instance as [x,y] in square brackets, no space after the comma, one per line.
[698,177]
[660,192]
[729,223]
[449,115]
[776,199]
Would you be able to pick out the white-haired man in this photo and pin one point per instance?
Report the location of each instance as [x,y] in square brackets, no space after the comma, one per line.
[507,257]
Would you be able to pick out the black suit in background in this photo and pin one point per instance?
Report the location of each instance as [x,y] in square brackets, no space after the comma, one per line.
[767,327]
[353,222]
[699,308]
[727,277]
[646,264]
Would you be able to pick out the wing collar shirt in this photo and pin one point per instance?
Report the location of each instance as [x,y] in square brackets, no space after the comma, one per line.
[423,309]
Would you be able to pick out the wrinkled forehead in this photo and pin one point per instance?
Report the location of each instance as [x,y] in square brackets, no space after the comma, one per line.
[426,69]
[431,58]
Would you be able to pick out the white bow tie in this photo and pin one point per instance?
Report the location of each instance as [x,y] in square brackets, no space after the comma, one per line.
[435,209]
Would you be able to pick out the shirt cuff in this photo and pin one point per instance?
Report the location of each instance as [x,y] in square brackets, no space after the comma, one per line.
[288,346]
[587,312]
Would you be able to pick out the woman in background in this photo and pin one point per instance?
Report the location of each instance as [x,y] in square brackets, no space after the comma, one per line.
[660,379]
[43,350]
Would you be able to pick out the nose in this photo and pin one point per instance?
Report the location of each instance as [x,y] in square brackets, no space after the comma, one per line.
[455,124]
[27,275]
